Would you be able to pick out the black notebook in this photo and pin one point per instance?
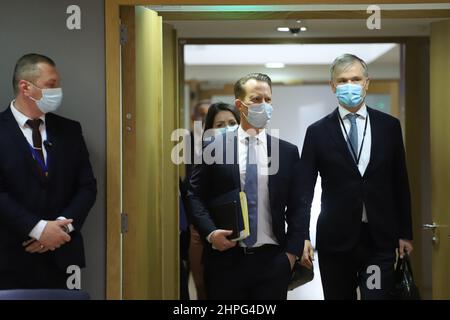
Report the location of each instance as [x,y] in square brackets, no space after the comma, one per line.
[229,212]
[226,216]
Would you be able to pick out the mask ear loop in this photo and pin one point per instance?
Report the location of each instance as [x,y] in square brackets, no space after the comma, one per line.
[30,97]
[245,105]
[364,88]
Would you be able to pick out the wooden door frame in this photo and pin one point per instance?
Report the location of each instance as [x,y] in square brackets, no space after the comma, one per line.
[113,86]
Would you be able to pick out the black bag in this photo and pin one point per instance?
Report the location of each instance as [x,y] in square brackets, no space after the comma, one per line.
[300,276]
[404,286]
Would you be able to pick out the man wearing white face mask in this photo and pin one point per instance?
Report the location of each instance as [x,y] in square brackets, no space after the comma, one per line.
[259,266]
[46,182]
[365,212]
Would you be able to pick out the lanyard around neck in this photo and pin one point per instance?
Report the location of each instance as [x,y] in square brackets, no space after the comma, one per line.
[349,141]
[37,157]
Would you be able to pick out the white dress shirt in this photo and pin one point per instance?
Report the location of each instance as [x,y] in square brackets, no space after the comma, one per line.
[362,115]
[22,119]
[26,130]
[265,233]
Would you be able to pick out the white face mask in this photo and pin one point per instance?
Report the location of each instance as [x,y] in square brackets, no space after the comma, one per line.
[50,101]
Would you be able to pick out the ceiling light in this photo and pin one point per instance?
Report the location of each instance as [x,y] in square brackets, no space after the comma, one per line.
[289,54]
[303,29]
[283,29]
[275,65]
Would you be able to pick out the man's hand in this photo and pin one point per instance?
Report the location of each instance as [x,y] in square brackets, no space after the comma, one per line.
[404,245]
[53,235]
[219,240]
[292,259]
[308,255]
[33,246]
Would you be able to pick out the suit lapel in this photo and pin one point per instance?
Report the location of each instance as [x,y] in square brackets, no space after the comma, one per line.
[271,177]
[20,141]
[334,128]
[52,144]
[377,138]
[232,140]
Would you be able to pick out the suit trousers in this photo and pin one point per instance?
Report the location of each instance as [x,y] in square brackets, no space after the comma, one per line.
[238,274]
[367,267]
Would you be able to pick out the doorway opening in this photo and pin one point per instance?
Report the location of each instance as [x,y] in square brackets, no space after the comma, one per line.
[410,37]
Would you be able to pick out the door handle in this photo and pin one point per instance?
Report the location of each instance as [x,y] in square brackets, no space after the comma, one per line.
[432,226]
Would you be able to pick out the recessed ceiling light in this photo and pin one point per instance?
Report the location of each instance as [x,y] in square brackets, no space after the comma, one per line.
[275,65]
[299,21]
[303,29]
[283,29]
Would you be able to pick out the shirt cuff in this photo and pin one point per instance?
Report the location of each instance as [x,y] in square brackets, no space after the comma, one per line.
[70,226]
[36,232]
[208,238]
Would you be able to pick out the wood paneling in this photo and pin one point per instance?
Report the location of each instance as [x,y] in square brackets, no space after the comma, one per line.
[416,129]
[113,149]
[440,154]
[169,174]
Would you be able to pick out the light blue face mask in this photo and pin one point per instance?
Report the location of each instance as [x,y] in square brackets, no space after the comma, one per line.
[350,95]
[226,129]
[50,101]
[258,114]
[210,134]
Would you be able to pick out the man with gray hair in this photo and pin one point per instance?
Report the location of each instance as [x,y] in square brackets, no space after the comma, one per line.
[365,213]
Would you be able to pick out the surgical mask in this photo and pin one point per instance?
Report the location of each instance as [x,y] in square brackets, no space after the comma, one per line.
[350,95]
[209,134]
[259,114]
[50,101]
[226,129]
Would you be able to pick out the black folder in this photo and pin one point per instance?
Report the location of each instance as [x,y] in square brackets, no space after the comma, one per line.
[225,216]
[225,211]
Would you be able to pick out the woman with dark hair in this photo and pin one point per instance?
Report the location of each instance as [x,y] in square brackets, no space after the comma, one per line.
[220,117]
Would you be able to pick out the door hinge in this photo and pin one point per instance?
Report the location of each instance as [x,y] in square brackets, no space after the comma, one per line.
[123,34]
[123,223]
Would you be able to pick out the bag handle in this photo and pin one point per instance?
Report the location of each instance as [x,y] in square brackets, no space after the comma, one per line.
[404,264]
[408,264]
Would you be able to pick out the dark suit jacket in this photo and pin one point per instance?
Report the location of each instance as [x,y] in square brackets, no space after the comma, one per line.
[384,188]
[211,180]
[25,197]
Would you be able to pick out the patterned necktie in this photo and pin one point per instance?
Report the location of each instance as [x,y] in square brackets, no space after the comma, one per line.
[353,134]
[37,141]
[251,191]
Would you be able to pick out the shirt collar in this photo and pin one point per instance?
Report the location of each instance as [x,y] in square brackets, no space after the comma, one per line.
[261,136]
[361,112]
[20,117]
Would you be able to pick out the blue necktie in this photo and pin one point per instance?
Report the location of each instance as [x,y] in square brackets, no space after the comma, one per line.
[353,134]
[251,191]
